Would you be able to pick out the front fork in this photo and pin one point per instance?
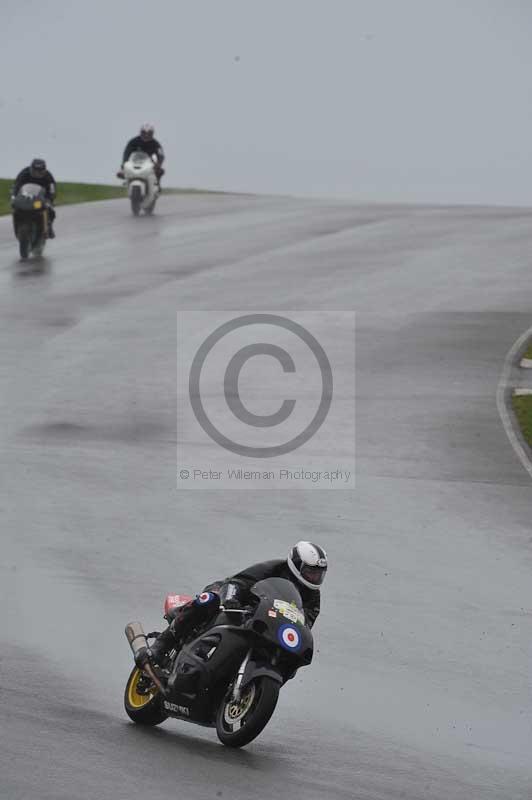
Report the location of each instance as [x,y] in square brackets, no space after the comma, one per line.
[237,692]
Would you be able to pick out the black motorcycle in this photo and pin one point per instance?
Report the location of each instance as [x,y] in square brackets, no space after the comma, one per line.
[227,676]
[30,217]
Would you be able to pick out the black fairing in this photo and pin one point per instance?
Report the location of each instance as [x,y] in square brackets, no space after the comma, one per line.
[209,661]
[25,199]
[205,667]
[267,593]
[25,213]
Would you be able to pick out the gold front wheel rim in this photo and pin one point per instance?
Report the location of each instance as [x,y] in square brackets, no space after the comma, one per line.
[236,712]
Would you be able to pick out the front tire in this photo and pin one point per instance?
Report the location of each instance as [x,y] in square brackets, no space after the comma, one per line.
[237,724]
[38,247]
[24,241]
[136,200]
[143,703]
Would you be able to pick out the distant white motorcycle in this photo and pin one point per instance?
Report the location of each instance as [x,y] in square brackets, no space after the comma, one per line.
[140,176]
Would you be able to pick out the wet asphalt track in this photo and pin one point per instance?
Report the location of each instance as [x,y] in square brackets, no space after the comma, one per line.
[421,687]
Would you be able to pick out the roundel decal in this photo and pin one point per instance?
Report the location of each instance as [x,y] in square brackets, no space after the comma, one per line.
[204,597]
[289,637]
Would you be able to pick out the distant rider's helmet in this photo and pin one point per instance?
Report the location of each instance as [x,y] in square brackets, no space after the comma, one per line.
[38,168]
[308,562]
[147,132]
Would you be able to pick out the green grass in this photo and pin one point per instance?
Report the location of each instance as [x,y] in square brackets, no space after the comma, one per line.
[528,351]
[522,405]
[87,192]
[67,193]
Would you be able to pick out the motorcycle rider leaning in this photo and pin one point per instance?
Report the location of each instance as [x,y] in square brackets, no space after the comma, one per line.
[147,143]
[38,173]
[305,567]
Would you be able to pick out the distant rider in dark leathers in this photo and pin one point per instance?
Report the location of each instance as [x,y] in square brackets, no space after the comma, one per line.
[37,173]
[147,143]
[305,567]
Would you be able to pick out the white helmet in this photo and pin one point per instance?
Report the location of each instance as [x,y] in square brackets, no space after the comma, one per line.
[147,131]
[308,562]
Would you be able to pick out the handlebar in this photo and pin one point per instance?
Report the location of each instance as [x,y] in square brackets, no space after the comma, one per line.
[235,610]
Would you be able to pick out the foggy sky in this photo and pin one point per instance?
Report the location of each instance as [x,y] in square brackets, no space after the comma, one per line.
[418,100]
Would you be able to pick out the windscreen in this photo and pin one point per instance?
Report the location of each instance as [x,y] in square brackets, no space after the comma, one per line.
[31,190]
[138,157]
[278,589]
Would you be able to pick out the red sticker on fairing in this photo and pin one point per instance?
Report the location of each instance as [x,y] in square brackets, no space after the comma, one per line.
[176,601]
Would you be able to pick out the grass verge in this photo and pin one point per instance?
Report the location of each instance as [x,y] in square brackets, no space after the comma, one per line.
[67,193]
[528,351]
[522,405]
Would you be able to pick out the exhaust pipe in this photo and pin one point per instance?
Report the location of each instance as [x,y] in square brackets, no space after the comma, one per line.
[136,638]
[139,646]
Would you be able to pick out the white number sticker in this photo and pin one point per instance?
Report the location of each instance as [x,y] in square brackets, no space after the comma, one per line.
[289,611]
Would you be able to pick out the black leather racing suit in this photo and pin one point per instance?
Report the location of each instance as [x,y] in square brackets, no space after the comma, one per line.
[277,568]
[233,591]
[150,146]
[47,181]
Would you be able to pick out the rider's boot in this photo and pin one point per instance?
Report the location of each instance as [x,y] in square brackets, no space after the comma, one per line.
[166,641]
[182,621]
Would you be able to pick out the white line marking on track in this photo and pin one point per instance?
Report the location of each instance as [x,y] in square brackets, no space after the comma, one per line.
[509,362]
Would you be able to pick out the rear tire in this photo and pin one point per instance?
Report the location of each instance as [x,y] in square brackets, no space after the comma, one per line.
[136,200]
[237,724]
[146,707]
[24,241]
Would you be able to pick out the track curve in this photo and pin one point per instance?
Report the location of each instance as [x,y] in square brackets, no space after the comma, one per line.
[421,685]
